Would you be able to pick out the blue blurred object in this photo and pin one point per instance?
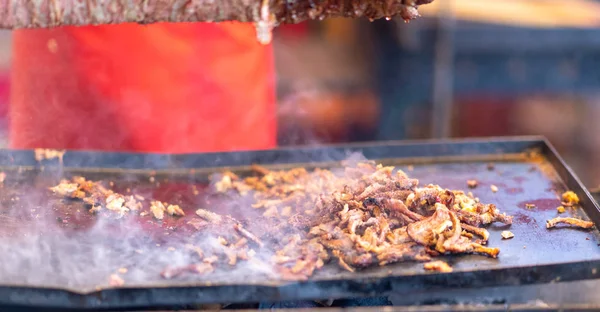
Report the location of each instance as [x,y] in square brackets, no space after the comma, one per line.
[488,59]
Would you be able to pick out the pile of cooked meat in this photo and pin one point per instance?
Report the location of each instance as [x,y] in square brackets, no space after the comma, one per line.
[364,215]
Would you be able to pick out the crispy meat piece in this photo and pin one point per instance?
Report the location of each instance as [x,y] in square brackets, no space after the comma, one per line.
[175,210]
[427,231]
[231,255]
[570,221]
[344,243]
[482,215]
[341,261]
[461,244]
[238,227]
[131,203]
[483,233]
[507,234]
[158,209]
[116,203]
[569,199]
[443,231]
[398,207]
[115,280]
[65,188]
[438,265]
[398,236]
[99,198]
[402,252]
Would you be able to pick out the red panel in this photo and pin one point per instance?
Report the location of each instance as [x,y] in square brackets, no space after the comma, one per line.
[163,87]
[478,116]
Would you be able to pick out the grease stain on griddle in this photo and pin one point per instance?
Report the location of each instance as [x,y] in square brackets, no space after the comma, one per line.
[520,218]
[519,180]
[514,190]
[543,204]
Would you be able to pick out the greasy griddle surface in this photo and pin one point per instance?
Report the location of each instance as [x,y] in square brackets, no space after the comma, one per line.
[49,242]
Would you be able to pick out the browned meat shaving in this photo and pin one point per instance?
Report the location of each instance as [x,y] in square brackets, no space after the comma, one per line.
[115,280]
[438,265]
[570,221]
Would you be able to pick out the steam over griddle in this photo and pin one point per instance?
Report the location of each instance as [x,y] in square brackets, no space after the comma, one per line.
[364,215]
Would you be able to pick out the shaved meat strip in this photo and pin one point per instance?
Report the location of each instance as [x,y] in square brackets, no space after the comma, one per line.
[443,232]
[238,227]
[570,221]
[209,216]
[483,233]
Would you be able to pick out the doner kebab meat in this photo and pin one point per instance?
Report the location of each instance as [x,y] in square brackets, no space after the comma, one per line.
[365,215]
[264,13]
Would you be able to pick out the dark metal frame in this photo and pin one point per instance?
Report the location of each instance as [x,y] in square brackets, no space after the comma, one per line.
[361,286]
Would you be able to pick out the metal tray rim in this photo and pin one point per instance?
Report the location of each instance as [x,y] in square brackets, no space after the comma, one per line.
[98,298]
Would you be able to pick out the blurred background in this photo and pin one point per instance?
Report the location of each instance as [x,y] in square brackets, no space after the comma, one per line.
[468,68]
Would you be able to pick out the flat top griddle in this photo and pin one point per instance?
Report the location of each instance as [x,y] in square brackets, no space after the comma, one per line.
[56,254]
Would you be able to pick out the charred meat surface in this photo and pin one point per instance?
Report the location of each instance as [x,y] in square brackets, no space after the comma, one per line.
[46,14]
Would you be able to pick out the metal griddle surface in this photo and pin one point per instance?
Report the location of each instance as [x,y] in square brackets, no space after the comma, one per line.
[56,254]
